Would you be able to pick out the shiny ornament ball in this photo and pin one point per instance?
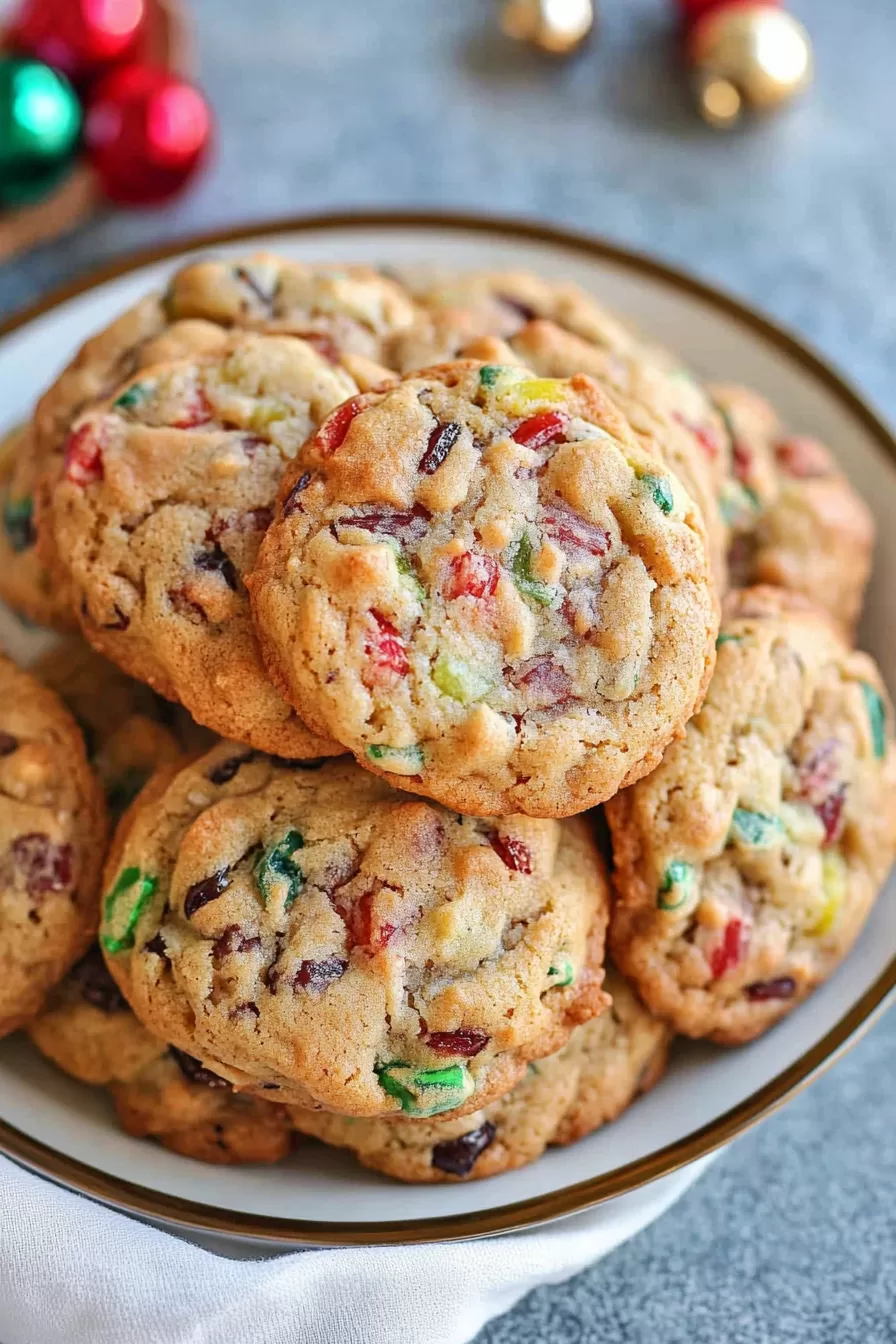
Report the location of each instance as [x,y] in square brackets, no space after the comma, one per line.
[80,37]
[692,10]
[555,26]
[146,134]
[40,123]
[747,58]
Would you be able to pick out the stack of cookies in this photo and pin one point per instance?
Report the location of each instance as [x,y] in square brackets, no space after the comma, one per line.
[390,583]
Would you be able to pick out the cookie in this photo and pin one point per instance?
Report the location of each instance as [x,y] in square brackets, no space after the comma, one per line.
[26,583]
[167,492]
[87,1029]
[796,521]
[52,841]
[592,1080]
[479,581]
[747,863]
[319,938]
[651,395]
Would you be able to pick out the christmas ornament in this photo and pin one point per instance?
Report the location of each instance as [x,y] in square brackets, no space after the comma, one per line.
[79,37]
[746,57]
[556,26]
[146,133]
[40,122]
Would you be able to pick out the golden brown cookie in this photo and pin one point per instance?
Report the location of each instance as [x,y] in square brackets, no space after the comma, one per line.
[592,1080]
[52,842]
[322,939]
[747,863]
[479,581]
[26,583]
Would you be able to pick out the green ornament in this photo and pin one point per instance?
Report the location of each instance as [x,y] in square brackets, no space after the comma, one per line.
[40,126]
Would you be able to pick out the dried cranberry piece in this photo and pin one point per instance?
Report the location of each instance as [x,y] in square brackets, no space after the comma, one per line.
[83,457]
[820,771]
[802,457]
[242,1009]
[512,852]
[763,990]
[45,865]
[196,1072]
[522,310]
[742,460]
[121,621]
[322,343]
[571,530]
[319,974]
[468,1041]
[729,950]
[386,653]
[209,889]
[359,924]
[546,681]
[217,561]
[708,437]
[157,945]
[332,433]
[831,814]
[231,941]
[8,744]
[256,520]
[96,985]
[472,575]
[412,522]
[292,503]
[541,430]
[441,441]
[224,771]
[458,1156]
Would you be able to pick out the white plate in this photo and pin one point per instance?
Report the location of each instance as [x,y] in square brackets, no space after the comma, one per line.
[320,1196]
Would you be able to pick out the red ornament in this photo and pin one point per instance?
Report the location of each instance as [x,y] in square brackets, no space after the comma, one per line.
[79,37]
[692,10]
[146,133]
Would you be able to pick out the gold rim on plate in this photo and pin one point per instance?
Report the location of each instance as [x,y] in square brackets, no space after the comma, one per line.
[187,1214]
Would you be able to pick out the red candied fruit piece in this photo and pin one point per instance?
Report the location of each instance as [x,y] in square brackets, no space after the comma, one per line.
[45,865]
[386,653]
[820,771]
[322,343]
[571,530]
[359,923]
[541,430]
[730,948]
[332,433]
[83,457]
[468,1041]
[198,411]
[802,457]
[320,974]
[707,437]
[831,814]
[513,853]
[742,460]
[546,681]
[472,575]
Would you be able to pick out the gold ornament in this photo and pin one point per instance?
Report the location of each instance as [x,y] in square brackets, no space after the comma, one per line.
[748,57]
[556,26]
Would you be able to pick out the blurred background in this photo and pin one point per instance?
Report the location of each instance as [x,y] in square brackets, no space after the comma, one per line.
[334,104]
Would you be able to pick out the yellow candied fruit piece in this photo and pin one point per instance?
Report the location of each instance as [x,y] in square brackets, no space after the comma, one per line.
[268,413]
[833,882]
[521,397]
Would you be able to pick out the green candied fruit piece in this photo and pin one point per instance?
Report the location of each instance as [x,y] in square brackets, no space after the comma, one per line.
[397,760]
[132,397]
[678,886]
[728,639]
[459,680]
[426,1092]
[277,865]
[490,374]
[128,879]
[406,569]
[755,828]
[737,502]
[660,492]
[18,515]
[561,972]
[521,569]
[877,716]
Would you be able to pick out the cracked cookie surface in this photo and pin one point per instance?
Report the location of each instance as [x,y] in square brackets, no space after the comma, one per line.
[52,841]
[606,1064]
[480,581]
[166,493]
[747,863]
[317,937]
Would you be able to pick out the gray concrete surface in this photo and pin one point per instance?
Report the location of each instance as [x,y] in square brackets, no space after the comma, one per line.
[791,1237]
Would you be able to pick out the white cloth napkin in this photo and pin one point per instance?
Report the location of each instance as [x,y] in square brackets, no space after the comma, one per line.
[75,1272]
